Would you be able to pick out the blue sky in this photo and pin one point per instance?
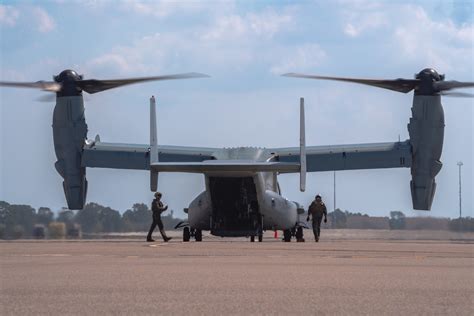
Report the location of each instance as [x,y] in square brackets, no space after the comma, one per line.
[244,46]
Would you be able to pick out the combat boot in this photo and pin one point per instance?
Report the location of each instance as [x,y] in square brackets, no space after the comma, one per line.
[163,234]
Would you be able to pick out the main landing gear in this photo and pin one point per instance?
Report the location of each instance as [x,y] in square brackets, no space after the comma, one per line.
[259,235]
[188,233]
[295,232]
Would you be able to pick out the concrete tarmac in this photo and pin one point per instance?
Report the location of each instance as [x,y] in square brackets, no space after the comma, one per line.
[234,276]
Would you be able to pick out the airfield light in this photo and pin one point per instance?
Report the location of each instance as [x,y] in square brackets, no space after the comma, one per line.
[460,164]
[333,223]
[334,190]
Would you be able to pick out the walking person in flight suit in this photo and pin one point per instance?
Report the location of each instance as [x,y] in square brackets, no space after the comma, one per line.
[317,210]
[157,207]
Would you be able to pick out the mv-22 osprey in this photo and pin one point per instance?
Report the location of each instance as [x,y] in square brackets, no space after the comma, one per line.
[242,196]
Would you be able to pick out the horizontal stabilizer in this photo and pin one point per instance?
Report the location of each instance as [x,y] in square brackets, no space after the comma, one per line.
[225,166]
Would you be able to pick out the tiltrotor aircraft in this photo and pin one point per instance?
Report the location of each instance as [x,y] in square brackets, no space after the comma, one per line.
[242,196]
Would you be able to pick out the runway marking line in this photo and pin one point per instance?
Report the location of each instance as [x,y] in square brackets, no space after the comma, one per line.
[46,255]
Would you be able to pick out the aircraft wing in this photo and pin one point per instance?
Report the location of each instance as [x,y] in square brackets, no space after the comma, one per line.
[225,165]
[137,156]
[350,157]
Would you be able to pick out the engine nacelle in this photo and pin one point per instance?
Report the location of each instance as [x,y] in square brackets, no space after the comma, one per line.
[426,129]
[69,134]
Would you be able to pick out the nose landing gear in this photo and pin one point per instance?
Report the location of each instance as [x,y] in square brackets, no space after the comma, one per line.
[188,233]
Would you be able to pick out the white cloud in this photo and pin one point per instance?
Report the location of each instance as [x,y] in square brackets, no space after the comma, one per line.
[269,22]
[231,42]
[163,8]
[265,24]
[361,23]
[8,15]
[361,16]
[439,44]
[113,61]
[409,35]
[227,27]
[299,59]
[44,20]
[373,21]
[144,56]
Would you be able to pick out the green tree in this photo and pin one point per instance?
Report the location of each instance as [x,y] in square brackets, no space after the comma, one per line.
[3,212]
[18,220]
[5,231]
[110,220]
[338,218]
[397,220]
[88,218]
[465,224]
[66,216]
[44,216]
[95,218]
[138,218]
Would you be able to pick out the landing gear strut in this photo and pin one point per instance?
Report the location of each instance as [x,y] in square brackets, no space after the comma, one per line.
[259,231]
[299,234]
[296,232]
[259,236]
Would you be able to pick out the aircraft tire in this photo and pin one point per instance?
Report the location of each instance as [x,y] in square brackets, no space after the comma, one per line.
[252,238]
[287,235]
[198,235]
[186,234]
[299,234]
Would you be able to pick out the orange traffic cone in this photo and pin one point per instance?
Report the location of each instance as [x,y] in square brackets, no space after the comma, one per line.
[276,234]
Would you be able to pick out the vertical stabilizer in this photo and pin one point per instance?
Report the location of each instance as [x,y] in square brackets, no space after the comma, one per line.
[302,148]
[153,145]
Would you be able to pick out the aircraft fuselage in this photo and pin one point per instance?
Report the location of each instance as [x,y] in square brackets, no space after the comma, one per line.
[242,203]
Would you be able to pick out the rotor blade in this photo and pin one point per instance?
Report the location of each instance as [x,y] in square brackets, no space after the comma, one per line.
[457,94]
[400,85]
[43,85]
[50,98]
[448,85]
[94,86]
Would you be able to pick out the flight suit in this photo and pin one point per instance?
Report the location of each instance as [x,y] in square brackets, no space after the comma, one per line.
[317,210]
[157,208]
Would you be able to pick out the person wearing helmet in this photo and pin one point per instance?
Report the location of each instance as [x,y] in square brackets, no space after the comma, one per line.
[157,207]
[317,210]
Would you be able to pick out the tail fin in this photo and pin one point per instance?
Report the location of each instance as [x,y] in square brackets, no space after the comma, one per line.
[302,148]
[153,145]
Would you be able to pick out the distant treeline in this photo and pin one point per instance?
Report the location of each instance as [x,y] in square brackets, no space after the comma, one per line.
[23,221]
[397,220]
